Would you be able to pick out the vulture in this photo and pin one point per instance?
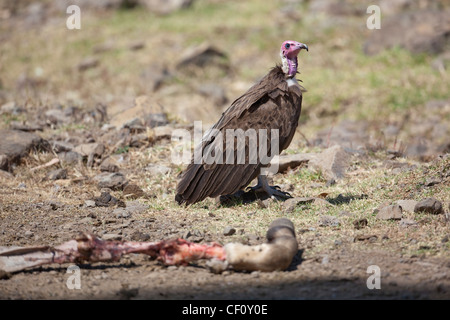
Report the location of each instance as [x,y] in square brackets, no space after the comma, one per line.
[271,109]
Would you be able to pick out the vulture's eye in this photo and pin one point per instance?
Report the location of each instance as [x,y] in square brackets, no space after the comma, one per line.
[287,45]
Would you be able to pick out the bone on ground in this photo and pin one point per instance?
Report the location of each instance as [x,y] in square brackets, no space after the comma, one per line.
[277,254]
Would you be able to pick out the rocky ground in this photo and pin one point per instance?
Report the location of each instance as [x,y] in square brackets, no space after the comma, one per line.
[369,170]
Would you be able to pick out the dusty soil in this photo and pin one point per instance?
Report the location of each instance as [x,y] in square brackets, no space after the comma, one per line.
[339,270]
[396,135]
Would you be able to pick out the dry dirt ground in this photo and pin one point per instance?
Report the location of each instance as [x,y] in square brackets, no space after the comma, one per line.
[390,112]
[332,261]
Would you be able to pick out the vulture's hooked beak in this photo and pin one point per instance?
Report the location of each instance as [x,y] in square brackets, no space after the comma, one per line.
[303,46]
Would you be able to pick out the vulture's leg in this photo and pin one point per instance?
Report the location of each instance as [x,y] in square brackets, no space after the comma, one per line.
[272,191]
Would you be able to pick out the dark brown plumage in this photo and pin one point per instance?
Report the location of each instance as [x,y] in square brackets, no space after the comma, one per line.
[272,103]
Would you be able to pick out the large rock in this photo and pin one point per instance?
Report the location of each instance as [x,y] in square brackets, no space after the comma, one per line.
[424,31]
[429,205]
[15,144]
[87,149]
[332,162]
[407,205]
[154,76]
[393,212]
[114,181]
[58,116]
[291,161]
[149,111]
[201,56]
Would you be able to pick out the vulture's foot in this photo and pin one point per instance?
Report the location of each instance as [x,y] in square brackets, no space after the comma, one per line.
[273,192]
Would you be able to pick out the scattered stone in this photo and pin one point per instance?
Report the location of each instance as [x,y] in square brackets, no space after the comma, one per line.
[290,204]
[137,45]
[393,164]
[150,111]
[28,127]
[291,161]
[432,181]
[16,144]
[111,236]
[361,223]
[337,242]
[58,116]
[135,124]
[340,199]
[329,221]
[130,208]
[70,157]
[162,132]
[86,220]
[392,212]
[11,108]
[229,231]
[407,205]
[325,260]
[429,205]
[60,146]
[28,234]
[87,149]
[153,78]
[88,63]
[371,238]
[381,206]
[114,181]
[263,204]
[5,275]
[202,56]
[132,191]
[3,161]
[407,223]
[140,236]
[332,162]
[154,120]
[109,165]
[156,169]
[89,204]
[121,213]
[106,200]
[57,174]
